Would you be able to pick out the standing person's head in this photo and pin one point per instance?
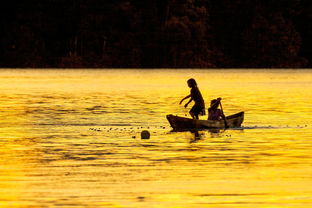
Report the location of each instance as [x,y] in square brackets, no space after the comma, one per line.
[191,83]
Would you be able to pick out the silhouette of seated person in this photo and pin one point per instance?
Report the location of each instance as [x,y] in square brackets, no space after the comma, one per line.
[214,113]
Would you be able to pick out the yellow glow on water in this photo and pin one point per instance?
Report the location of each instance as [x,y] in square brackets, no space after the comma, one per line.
[12,172]
[53,157]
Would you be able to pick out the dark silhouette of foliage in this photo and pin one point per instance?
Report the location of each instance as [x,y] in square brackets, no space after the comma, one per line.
[156,34]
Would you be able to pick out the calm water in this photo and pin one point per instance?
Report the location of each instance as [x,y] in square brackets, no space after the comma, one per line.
[72,139]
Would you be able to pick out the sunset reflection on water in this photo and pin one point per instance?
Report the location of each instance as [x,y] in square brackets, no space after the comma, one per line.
[71,138]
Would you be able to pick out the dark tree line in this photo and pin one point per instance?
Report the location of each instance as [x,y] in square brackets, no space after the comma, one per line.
[156,33]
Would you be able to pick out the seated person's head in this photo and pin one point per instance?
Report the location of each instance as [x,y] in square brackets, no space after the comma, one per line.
[212,104]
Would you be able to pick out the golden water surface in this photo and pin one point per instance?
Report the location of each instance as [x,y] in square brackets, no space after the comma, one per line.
[71,138]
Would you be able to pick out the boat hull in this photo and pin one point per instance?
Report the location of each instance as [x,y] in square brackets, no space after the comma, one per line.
[182,123]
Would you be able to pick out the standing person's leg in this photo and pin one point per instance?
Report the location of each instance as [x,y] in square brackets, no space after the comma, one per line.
[194,112]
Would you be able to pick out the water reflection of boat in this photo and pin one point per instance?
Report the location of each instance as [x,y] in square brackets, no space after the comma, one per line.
[182,123]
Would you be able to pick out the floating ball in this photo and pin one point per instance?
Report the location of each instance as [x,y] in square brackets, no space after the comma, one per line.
[145,134]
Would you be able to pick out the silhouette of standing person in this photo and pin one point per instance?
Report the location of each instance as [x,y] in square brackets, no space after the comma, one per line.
[199,106]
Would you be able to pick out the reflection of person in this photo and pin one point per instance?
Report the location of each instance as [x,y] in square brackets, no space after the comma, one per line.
[197,136]
[199,106]
[214,113]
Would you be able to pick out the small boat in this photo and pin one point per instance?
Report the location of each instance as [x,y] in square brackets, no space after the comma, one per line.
[182,123]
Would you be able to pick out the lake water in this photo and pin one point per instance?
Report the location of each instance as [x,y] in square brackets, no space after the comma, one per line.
[71,138]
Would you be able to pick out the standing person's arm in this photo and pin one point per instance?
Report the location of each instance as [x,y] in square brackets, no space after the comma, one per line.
[188,102]
[185,99]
